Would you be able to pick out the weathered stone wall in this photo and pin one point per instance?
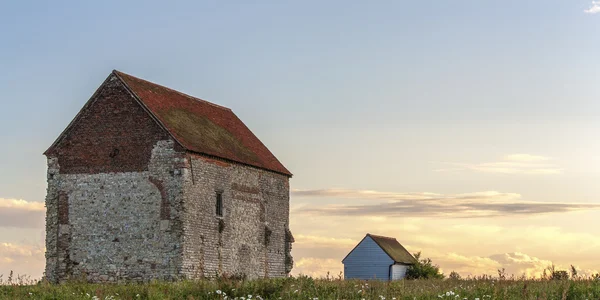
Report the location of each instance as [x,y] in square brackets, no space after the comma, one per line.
[121,226]
[126,202]
[250,238]
[114,194]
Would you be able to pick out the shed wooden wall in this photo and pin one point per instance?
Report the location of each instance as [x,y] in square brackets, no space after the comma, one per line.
[399,271]
[367,261]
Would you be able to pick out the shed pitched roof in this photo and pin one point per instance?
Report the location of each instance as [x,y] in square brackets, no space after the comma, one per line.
[393,248]
[202,127]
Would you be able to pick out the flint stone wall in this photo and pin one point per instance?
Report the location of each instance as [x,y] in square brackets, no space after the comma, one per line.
[117,226]
[250,238]
[162,223]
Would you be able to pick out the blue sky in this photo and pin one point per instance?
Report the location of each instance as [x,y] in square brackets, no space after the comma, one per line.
[397,96]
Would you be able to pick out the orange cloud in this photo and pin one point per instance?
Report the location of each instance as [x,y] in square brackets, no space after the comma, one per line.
[472,247]
[510,164]
[21,213]
[469,205]
[22,259]
[317,267]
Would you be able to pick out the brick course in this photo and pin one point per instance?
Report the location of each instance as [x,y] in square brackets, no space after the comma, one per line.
[115,134]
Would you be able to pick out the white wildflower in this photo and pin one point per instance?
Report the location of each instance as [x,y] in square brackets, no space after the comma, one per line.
[219,292]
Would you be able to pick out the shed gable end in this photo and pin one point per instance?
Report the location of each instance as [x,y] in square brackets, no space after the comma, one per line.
[367,261]
[112,133]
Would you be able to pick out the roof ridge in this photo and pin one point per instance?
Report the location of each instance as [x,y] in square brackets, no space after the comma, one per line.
[172,90]
[230,138]
[381,236]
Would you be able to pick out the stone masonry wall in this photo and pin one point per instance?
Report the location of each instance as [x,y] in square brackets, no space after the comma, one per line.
[114,194]
[250,238]
[126,202]
[117,227]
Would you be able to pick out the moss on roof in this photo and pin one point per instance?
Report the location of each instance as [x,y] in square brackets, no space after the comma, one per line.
[203,133]
[202,127]
[393,248]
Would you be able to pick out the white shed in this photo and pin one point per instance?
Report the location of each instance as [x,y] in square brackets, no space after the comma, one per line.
[377,257]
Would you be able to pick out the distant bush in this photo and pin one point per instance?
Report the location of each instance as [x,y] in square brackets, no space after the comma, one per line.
[454,276]
[552,273]
[423,269]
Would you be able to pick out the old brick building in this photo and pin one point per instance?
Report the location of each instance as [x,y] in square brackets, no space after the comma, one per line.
[149,183]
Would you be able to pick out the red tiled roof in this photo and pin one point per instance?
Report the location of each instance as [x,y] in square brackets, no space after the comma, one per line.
[201,126]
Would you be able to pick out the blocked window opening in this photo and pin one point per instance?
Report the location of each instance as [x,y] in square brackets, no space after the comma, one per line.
[63,209]
[219,204]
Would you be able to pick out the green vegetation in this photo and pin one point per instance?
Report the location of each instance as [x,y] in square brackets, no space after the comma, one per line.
[426,283]
[424,269]
[308,288]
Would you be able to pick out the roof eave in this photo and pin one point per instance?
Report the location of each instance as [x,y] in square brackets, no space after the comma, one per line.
[289,175]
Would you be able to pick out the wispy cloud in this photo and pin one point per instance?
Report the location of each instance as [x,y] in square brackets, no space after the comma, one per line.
[522,157]
[22,259]
[594,8]
[469,205]
[317,267]
[314,261]
[509,164]
[470,247]
[513,263]
[21,213]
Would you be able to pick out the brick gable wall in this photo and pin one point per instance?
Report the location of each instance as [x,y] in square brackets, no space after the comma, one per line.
[113,134]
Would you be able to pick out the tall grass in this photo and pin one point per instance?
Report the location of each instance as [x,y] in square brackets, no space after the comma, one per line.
[303,287]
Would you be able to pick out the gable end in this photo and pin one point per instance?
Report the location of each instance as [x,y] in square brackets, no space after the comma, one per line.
[113,132]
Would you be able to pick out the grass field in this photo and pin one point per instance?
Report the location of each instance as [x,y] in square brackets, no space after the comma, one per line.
[309,288]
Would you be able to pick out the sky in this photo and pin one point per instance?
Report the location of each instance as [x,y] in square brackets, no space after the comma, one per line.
[465,129]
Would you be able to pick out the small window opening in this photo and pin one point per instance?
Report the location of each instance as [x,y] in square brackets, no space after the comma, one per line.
[219,204]
[114,153]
